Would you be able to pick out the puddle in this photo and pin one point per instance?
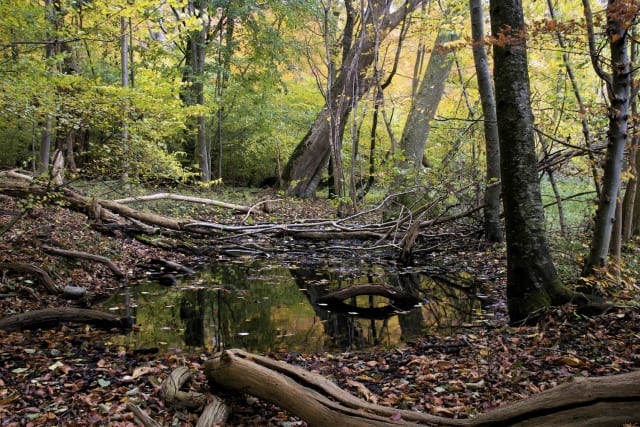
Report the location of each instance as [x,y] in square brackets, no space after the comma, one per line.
[263,307]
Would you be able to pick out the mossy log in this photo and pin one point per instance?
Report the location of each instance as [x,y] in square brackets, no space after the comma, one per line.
[596,401]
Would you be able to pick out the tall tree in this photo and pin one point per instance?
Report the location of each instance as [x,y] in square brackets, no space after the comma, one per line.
[194,75]
[492,223]
[310,158]
[620,15]
[532,280]
[427,98]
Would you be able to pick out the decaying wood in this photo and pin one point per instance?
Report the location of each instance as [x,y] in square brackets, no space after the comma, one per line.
[214,414]
[41,274]
[178,398]
[190,199]
[84,255]
[49,317]
[312,397]
[597,401]
[172,265]
[142,416]
[392,232]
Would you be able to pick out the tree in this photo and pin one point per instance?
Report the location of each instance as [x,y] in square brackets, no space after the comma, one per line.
[532,280]
[492,223]
[310,158]
[427,98]
[620,15]
[194,75]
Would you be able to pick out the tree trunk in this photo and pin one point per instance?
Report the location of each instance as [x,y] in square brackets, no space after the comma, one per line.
[42,164]
[619,85]
[532,280]
[596,401]
[194,74]
[426,101]
[492,223]
[310,158]
[124,62]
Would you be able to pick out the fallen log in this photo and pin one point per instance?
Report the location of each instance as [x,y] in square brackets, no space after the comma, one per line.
[41,274]
[597,401]
[84,255]
[190,199]
[51,317]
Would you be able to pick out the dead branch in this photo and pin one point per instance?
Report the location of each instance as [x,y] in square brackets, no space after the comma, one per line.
[41,274]
[142,416]
[191,199]
[51,317]
[84,255]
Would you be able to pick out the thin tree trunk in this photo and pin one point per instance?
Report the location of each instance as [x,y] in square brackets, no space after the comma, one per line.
[582,108]
[492,223]
[42,165]
[310,158]
[124,62]
[619,85]
[630,193]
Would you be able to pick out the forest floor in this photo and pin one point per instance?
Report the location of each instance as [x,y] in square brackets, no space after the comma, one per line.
[72,375]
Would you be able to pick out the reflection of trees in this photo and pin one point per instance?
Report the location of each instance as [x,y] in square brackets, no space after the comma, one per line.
[192,312]
[340,327]
[449,304]
[411,322]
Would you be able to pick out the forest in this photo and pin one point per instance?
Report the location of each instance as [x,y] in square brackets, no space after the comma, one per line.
[292,213]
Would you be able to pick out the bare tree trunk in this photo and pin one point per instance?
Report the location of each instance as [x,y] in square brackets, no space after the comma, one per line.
[42,165]
[532,280]
[427,98]
[492,223]
[619,88]
[194,74]
[310,158]
[124,62]
[576,91]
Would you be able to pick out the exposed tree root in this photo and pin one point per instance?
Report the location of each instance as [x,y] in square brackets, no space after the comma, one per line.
[597,401]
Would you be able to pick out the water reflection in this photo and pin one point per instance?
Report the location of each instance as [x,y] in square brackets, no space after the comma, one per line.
[262,308]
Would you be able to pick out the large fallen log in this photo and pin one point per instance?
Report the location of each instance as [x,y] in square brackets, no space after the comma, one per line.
[49,317]
[597,401]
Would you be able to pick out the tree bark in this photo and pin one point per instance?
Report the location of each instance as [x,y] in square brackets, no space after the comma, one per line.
[492,224]
[597,401]
[84,255]
[42,275]
[426,100]
[532,280]
[310,158]
[52,317]
[619,90]
[177,398]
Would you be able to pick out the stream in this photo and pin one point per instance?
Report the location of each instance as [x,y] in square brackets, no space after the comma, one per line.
[264,306]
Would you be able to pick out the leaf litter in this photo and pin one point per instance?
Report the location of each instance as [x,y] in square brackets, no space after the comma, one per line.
[74,376]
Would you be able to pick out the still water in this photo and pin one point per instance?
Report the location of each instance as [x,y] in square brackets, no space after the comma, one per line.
[263,307]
